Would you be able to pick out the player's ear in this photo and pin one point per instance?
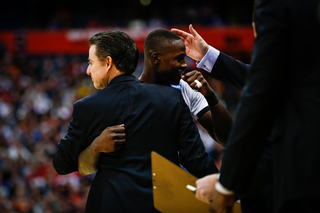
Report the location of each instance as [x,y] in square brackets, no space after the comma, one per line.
[155,58]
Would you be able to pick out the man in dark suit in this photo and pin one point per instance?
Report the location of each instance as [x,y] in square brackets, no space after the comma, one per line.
[232,72]
[281,95]
[155,118]
[282,90]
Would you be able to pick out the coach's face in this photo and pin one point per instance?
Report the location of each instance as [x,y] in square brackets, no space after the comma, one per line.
[173,62]
[97,69]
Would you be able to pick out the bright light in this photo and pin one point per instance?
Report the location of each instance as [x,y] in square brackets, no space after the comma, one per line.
[145,2]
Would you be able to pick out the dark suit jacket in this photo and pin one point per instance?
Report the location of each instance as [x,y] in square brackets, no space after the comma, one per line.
[234,73]
[230,71]
[283,88]
[156,119]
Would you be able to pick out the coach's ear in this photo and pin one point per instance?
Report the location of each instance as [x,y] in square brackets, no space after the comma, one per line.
[108,63]
[155,58]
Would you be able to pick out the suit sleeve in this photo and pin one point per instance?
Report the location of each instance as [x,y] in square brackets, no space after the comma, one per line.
[192,152]
[230,71]
[263,98]
[65,160]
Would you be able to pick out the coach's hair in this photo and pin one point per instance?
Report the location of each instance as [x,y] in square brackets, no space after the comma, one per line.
[119,46]
[159,37]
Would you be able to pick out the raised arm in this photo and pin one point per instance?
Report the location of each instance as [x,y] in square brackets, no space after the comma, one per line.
[218,121]
[220,66]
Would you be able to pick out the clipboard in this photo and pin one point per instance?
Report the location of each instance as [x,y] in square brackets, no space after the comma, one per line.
[170,193]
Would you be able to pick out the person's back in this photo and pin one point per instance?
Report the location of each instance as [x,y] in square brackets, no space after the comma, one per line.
[155,119]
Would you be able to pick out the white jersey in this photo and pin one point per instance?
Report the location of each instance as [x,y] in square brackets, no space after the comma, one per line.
[195,100]
[198,105]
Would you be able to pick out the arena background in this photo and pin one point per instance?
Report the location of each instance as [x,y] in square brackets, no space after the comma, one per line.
[43,61]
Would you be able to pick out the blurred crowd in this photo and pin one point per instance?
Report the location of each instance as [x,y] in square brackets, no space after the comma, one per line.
[59,14]
[36,98]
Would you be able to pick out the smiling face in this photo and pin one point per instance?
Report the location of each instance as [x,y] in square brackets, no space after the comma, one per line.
[172,62]
[96,69]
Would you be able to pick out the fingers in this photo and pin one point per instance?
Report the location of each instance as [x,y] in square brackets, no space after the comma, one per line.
[193,31]
[190,78]
[183,35]
[118,131]
[116,128]
[198,85]
[205,188]
[119,135]
[115,133]
[120,126]
[201,197]
[202,86]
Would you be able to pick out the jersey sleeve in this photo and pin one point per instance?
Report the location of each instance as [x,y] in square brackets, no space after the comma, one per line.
[196,102]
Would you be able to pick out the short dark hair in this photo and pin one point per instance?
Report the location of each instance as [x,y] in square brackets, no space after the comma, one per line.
[159,38]
[119,46]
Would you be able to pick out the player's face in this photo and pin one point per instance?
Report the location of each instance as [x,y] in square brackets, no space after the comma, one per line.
[173,63]
[96,69]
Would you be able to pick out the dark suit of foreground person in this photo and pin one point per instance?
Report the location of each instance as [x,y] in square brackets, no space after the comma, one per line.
[282,87]
[232,72]
[155,118]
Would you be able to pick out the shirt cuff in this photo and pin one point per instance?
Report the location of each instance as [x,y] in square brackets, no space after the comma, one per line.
[222,189]
[210,58]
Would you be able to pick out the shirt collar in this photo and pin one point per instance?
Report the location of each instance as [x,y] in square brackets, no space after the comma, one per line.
[122,78]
